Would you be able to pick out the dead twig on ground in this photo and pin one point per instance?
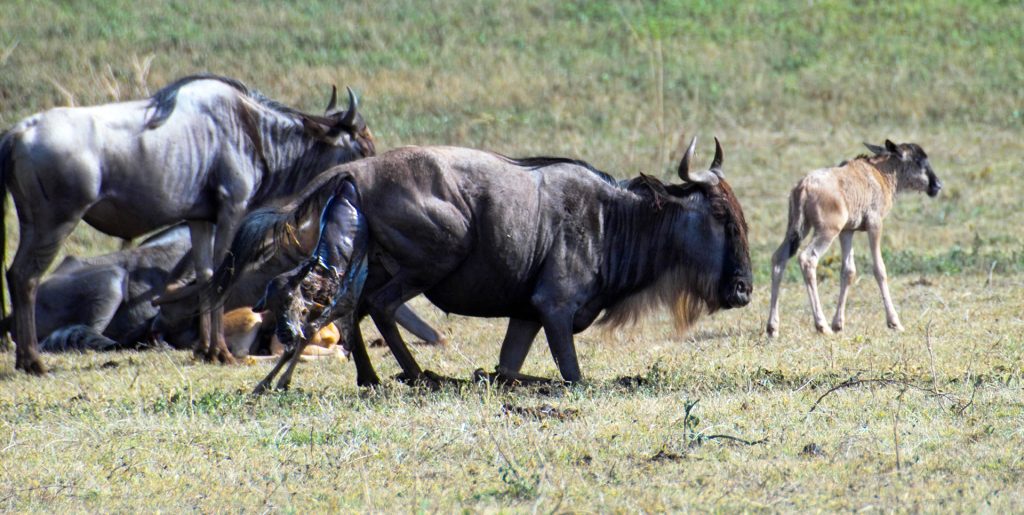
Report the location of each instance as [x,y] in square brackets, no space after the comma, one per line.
[856,381]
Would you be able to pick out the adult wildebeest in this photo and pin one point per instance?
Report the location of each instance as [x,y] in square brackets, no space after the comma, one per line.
[547,242]
[105,301]
[204,149]
[855,196]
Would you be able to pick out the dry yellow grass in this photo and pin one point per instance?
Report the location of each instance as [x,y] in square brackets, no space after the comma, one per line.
[788,88]
[115,432]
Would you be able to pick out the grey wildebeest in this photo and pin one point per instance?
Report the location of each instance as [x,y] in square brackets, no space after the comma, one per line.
[836,202]
[204,149]
[103,302]
[548,242]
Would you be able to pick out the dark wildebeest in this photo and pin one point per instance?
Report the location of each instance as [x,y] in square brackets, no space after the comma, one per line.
[204,149]
[105,302]
[547,242]
[855,196]
[101,301]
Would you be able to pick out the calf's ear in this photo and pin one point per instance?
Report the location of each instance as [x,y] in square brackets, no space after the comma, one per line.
[891,147]
[875,149]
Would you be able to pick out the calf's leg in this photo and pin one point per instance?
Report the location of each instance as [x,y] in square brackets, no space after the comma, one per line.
[808,265]
[846,278]
[875,241]
[779,260]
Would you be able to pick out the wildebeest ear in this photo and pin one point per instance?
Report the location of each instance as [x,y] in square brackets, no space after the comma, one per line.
[891,147]
[313,127]
[875,149]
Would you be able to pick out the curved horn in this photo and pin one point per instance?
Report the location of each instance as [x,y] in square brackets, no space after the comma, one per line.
[334,100]
[717,162]
[684,165]
[353,108]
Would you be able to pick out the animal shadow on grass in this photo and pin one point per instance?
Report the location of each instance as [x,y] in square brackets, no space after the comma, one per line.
[654,377]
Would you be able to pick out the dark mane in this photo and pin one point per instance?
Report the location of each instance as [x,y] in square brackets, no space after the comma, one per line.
[163,102]
[534,163]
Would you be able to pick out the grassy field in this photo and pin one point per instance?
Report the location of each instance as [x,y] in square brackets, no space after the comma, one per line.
[936,422]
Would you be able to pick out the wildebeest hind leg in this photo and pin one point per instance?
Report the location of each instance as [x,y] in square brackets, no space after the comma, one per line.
[41,238]
[286,378]
[365,375]
[382,305]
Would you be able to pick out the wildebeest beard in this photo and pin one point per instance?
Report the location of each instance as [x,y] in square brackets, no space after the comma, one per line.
[683,290]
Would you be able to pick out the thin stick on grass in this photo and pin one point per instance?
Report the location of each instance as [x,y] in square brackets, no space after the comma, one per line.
[856,381]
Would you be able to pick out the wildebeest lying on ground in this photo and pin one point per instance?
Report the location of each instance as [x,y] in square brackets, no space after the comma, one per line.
[104,302]
[204,149]
[855,196]
[547,242]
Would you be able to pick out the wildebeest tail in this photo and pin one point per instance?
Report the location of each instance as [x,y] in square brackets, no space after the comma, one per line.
[76,338]
[795,229]
[265,230]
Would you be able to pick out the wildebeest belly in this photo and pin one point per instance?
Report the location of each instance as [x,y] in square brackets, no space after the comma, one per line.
[479,288]
[127,220]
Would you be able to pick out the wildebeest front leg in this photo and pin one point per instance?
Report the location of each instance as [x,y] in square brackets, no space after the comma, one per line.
[519,338]
[558,330]
[202,255]
[848,274]
[875,241]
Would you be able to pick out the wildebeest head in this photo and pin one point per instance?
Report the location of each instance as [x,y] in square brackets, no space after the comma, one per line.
[341,128]
[913,171]
[725,231]
[704,258]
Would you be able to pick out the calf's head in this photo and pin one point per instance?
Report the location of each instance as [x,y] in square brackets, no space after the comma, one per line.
[913,171]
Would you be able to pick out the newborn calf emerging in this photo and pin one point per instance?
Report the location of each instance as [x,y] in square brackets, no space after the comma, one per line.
[855,196]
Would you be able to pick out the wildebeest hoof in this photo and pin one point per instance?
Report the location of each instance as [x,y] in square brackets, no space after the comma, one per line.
[896,326]
[260,389]
[512,379]
[426,379]
[772,331]
[372,382]
[837,326]
[823,329]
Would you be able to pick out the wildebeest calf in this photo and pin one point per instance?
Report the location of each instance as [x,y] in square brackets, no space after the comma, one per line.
[855,196]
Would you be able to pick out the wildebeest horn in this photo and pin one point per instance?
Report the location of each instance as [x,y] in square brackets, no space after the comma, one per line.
[716,163]
[353,107]
[334,100]
[684,165]
[707,176]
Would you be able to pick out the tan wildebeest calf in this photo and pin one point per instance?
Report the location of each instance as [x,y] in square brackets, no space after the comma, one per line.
[855,196]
